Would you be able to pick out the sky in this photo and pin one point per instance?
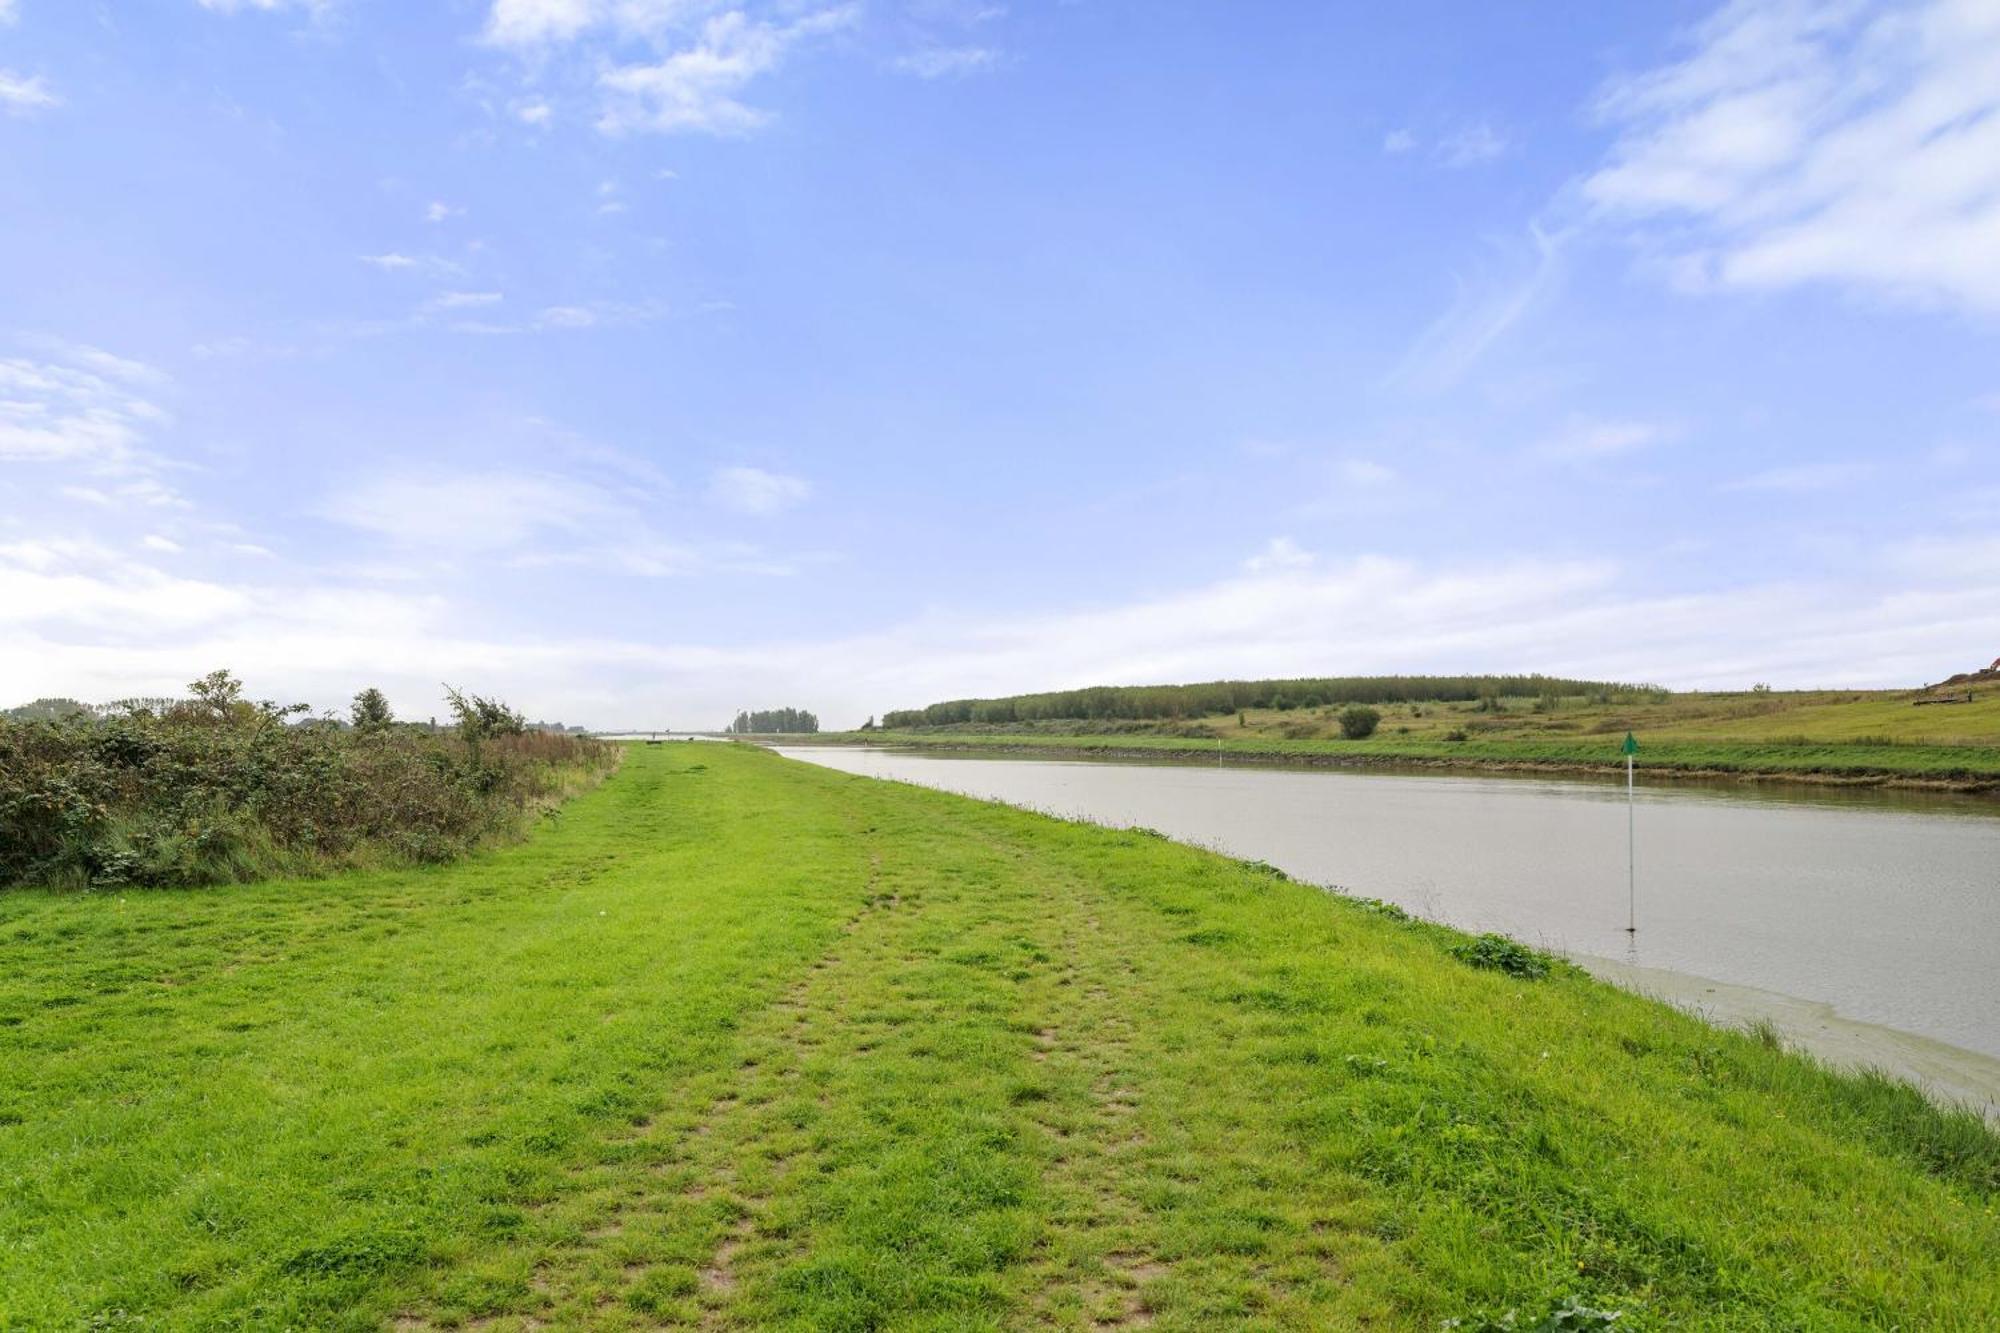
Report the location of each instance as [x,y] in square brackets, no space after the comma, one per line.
[643,360]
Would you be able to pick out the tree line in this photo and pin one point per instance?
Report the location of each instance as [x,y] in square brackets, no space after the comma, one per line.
[1209,699]
[766,721]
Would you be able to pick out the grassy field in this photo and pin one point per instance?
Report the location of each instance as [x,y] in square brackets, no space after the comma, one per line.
[1849,735]
[739,1042]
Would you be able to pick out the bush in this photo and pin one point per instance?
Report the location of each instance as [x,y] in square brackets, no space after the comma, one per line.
[1358,723]
[218,789]
[1504,955]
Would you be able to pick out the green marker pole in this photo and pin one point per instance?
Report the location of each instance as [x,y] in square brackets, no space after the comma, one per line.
[1631,848]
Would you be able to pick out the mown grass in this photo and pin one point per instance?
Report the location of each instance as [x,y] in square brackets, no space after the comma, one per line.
[746,1043]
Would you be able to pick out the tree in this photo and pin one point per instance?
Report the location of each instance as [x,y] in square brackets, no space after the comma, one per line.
[371,710]
[480,717]
[216,695]
[1358,723]
[767,721]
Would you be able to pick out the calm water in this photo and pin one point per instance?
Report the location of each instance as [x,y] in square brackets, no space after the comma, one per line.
[1885,905]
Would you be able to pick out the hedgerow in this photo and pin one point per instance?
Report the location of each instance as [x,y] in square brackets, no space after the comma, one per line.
[218,788]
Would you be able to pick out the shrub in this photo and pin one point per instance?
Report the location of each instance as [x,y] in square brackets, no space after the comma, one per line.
[1358,722]
[217,789]
[1504,955]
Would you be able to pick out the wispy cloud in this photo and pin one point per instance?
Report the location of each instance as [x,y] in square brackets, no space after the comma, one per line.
[85,410]
[1398,141]
[25,94]
[1805,477]
[395,261]
[597,515]
[751,490]
[445,302]
[316,8]
[700,88]
[1585,439]
[1470,145]
[946,62]
[1485,309]
[439,211]
[1830,142]
[1279,553]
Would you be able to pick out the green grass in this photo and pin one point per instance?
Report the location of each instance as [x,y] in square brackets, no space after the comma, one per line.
[747,1043]
[1859,736]
[1969,766]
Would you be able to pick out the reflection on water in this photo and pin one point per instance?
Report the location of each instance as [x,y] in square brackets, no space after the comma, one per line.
[1884,904]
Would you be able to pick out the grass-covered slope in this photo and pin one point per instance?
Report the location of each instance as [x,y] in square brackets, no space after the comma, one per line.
[1947,736]
[1958,766]
[746,1043]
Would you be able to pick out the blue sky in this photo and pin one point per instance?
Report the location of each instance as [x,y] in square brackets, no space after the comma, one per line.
[643,359]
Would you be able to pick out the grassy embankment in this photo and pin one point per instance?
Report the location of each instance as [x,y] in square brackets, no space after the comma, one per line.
[1849,736]
[743,1043]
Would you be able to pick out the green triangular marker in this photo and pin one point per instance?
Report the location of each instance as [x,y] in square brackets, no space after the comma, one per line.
[1631,745]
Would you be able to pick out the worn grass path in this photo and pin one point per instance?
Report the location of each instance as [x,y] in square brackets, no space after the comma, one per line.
[746,1043]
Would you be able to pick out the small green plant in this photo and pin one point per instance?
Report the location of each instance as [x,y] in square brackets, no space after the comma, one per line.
[1504,955]
[1358,722]
[1564,1316]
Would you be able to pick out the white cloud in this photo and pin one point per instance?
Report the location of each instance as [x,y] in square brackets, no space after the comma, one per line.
[1364,472]
[1586,438]
[1398,141]
[1279,553]
[462,301]
[94,624]
[314,7]
[749,490]
[155,542]
[396,262]
[469,513]
[24,94]
[698,89]
[1805,142]
[1471,145]
[533,113]
[568,317]
[942,62]
[600,516]
[9,11]
[534,22]
[1805,477]
[1485,309]
[83,409]
[68,586]
[439,211]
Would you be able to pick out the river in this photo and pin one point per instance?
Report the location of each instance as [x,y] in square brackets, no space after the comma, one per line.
[1864,924]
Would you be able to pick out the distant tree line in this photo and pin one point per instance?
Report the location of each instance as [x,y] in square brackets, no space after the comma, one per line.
[764,721]
[1144,702]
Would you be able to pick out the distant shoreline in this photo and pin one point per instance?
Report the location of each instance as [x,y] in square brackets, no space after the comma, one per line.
[1736,763]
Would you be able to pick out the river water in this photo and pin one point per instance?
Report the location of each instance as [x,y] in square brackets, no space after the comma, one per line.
[1883,906]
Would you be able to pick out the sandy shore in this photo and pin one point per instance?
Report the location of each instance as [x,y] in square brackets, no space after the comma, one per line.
[1949,1073]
